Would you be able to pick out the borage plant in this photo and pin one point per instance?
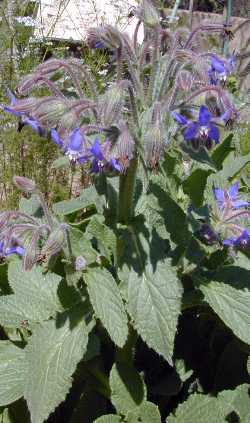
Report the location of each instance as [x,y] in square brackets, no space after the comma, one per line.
[97,284]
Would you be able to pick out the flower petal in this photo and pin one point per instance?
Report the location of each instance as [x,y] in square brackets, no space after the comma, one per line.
[191,131]
[179,118]
[12,111]
[240,203]
[55,137]
[217,64]
[204,116]
[12,97]
[115,165]
[76,139]
[214,134]
[219,196]
[229,241]
[233,191]
[96,150]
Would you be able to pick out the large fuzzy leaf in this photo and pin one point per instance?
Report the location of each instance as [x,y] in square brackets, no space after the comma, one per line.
[146,413]
[35,297]
[232,305]
[88,197]
[201,408]
[109,418]
[154,303]
[107,303]
[127,388]
[52,354]
[12,372]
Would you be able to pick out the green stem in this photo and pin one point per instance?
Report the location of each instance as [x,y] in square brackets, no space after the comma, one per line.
[228,16]
[174,11]
[154,64]
[126,193]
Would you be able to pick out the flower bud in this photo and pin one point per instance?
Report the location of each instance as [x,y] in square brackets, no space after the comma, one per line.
[185,81]
[32,251]
[69,120]
[25,184]
[49,66]
[111,104]
[80,263]
[104,37]
[55,242]
[49,110]
[148,13]
[27,84]
[123,148]
[153,145]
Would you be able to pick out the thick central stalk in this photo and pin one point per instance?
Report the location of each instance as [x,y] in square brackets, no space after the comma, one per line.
[126,193]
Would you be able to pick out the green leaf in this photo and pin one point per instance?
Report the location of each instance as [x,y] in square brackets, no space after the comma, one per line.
[61,162]
[147,413]
[201,408]
[81,246]
[127,388]
[195,184]
[233,165]
[239,400]
[222,151]
[104,235]
[154,303]
[53,351]
[12,372]
[89,197]
[248,364]
[35,296]
[109,418]
[232,305]
[107,303]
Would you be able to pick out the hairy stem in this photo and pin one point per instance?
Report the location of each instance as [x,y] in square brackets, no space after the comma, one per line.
[172,17]
[228,16]
[126,193]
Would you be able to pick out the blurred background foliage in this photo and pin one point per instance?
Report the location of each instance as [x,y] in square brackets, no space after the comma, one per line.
[23,152]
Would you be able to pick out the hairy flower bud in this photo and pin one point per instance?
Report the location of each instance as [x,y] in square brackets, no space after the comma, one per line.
[104,36]
[153,145]
[55,242]
[111,104]
[148,14]
[185,81]
[49,66]
[25,184]
[80,263]
[31,251]
[123,147]
[49,110]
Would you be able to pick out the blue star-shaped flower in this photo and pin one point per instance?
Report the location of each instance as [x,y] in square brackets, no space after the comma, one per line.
[242,241]
[203,129]
[229,198]
[220,69]
[99,160]
[74,147]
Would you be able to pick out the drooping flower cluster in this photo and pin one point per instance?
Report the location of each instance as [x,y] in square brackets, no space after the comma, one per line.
[79,149]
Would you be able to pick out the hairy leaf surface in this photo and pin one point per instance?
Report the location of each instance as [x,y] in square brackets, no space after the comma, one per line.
[154,303]
[107,303]
[127,388]
[12,372]
[35,296]
[52,354]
